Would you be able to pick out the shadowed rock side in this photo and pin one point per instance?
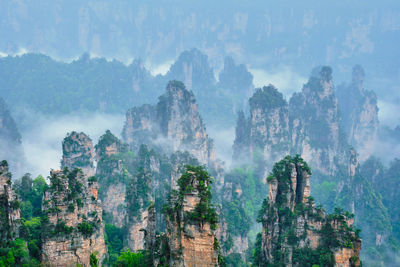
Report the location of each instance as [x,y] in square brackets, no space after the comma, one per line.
[111,173]
[193,69]
[314,122]
[356,194]
[9,210]
[10,140]
[73,229]
[295,231]
[191,222]
[173,124]
[359,111]
[266,133]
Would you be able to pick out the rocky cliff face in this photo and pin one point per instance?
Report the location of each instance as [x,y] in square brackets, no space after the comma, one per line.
[236,78]
[174,123]
[193,69]
[234,238]
[382,212]
[111,173]
[127,189]
[180,122]
[314,122]
[266,133]
[356,194]
[9,211]
[78,152]
[308,126]
[141,219]
[10,139]
[191,221]
[74,230]
[295,231]
[141,126]
[359,111]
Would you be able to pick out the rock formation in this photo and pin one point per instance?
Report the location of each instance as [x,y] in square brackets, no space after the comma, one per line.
[295,231]
[112,175]
[191,221]
[9,208]
[236,82]
[356,194]
[193,69]
[10,140]
[359,111]
[73,231]
[141,219]
[267,131]
[236,78]
[233,237]
[314,122]
[78,152]
[174,123]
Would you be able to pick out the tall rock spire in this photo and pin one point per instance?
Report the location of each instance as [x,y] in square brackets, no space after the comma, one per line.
[78,152]
[295,231]
[359,111]
[73,232]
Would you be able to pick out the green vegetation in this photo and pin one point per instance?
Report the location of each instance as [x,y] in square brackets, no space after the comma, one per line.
[30,193]
[335,232]
[132,259]
[267,98]
[195,178]
[87,228]
[114,237]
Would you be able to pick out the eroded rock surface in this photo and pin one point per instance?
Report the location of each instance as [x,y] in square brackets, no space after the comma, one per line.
[173,124]
[9,210]
[294,229]
[191,229]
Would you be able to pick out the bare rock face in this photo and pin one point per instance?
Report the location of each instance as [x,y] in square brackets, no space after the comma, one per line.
[295,231]
[314,121]
[9,211]
[191,222]
[362,198]
[141,213]
[266,132]
[78,152]
[174,123]
[141,126]
[359,113]
[74,229]
[112,174]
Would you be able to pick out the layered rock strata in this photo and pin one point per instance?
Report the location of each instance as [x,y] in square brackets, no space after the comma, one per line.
[73,232]
[191,222]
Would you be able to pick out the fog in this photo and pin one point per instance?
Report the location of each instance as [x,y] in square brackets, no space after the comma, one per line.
[43,137]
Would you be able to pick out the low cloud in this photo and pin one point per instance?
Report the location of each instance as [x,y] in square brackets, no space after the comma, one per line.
[21,51]
[285,79]
[43,137]
[223,141]
[162,68]
[389,112]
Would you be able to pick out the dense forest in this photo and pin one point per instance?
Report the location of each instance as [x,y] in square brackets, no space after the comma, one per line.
[170,133]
